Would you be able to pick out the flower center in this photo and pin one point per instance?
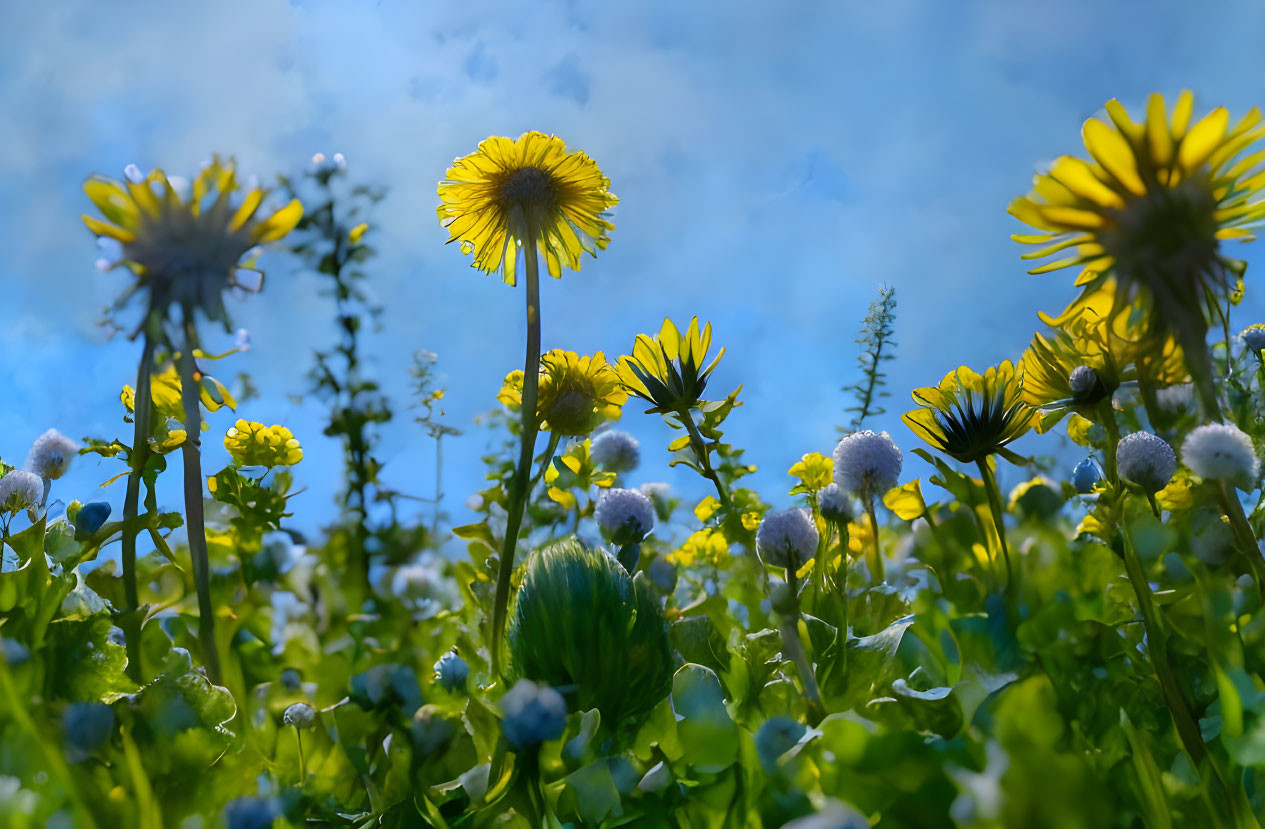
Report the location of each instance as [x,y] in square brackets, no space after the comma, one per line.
[528,186]
[1167,236]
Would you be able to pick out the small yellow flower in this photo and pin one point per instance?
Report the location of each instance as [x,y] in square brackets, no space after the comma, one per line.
[970,416]
[357,233]
[706,547]
[509,192]
[254,444]
[706,508]
[576,394]
[187,250]
[815,471]
[1151,207]
[667,370]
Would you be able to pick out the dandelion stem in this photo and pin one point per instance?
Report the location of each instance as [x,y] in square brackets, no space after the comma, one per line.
[704,457]
[142,407]
[876,552]
[1157,647]
[195,521]
[298,736]
[994,505]
[794,648]
[1243,533]
[519,485]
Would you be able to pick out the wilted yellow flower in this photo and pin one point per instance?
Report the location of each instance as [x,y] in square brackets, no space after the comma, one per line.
[509,191]
[1151,207]
[970,416]
[706,546]
[254,444]
[667,370]
[187,249]
[814,470]
[576,394]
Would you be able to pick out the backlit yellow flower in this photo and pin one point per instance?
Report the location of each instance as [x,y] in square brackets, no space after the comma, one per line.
[577,394]
[667,369]
[1151,207]
[815,471]
[187,249]
[494,198]
[254,444]
[704,547]
[970,416]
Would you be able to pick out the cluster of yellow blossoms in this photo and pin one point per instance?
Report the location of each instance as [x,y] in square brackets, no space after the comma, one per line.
[254,444]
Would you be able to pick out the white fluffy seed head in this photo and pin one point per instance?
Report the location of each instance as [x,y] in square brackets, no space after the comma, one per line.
[787,538]
[867,464]
[1221,452]
[625,512]
[1146,460]
[834,503]
[616,451]
[1174,400]
[20,490]
[51,454]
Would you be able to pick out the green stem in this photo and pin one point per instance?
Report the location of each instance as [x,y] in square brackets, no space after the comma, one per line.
[704,456]
[1107,415]
[994,505]
[519,484]
[546,458]
[1243,533]
[298,736]
[794,648]
[876,552]
[142,410]
[1157,647]
[195,520]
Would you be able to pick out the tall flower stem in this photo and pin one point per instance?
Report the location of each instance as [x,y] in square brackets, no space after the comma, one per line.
[545,460]
[520,484]
[142,408]
[994,505]
[876,552]
[195,520]
[704,457]
[1157,647]
[794,648]
[1243,533]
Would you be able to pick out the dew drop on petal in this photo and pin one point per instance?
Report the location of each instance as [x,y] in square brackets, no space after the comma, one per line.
[467,246]
[133,174]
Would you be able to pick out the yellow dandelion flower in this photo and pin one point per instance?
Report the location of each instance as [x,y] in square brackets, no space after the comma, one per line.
[497,199]
[970,416]
[187,249]
[705,547]
[1150,209]
[576,393]
[667,370]
[815,471]
[254,444]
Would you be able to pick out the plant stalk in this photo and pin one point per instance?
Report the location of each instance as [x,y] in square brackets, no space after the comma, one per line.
[142,410]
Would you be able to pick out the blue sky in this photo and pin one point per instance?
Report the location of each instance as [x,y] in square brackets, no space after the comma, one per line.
[774,161]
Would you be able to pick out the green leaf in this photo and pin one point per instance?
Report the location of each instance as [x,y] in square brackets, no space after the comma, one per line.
[708,734]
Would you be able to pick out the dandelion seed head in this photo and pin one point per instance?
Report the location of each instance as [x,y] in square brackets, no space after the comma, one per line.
[867,463]
[451,671]
[20,490]
[299,715]
[616,451]
[532,714]
[627,515]
[787,538]
[1146,460]
[656,489]
[51,454]
[834,503]
[1174,400]
[1221,452]
[1254,337]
